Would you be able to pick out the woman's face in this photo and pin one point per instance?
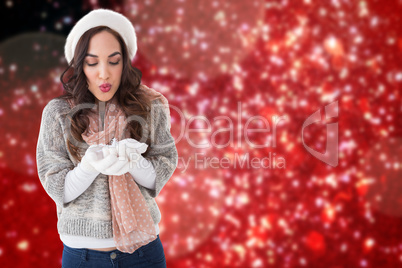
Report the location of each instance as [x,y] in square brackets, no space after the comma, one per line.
[103,65]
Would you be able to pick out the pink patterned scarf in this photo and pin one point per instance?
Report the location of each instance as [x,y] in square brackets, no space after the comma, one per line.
[133,226]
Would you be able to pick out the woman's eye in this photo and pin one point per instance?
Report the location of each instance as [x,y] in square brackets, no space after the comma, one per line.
[93,64]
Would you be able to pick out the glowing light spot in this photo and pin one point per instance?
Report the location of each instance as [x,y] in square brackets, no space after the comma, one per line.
[67,20]
[175,218]
[184,196]
[344,247]
[58,26]
[23,245]
[29,187]
[363,9]
[374,21]
[398,76]
[369,243]
[13,67]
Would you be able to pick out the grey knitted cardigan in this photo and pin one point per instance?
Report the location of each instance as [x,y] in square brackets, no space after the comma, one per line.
[90,213]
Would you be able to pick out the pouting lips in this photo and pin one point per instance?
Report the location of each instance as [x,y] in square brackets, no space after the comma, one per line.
[105,88]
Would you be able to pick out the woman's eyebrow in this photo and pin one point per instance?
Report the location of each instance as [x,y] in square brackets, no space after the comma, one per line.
[111,55]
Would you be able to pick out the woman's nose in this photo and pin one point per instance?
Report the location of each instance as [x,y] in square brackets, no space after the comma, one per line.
[103,72]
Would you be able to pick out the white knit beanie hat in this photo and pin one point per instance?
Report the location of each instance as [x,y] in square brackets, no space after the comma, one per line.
[102,17]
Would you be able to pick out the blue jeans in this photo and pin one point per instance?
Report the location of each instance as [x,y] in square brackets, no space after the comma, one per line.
[149,255]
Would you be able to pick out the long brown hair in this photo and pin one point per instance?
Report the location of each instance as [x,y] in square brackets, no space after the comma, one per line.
[128,95]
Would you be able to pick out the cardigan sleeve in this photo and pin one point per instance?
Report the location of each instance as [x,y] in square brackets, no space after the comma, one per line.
[53,162]
[162,153]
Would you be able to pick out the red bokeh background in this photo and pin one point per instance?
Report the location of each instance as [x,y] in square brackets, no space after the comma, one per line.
[221,63]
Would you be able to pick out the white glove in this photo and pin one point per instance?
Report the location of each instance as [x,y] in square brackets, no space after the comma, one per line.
[107,161]
[141,169]
[131,149]
[94,152]
[115,159]
[103,159]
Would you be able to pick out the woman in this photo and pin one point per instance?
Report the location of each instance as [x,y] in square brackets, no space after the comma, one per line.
[105,150]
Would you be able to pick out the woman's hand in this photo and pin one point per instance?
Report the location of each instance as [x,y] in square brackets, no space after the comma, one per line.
[116,159]
[131,149]
[141,169]
[104,159]
[92,154]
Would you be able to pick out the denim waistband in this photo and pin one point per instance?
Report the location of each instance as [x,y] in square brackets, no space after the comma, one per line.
[113,255]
